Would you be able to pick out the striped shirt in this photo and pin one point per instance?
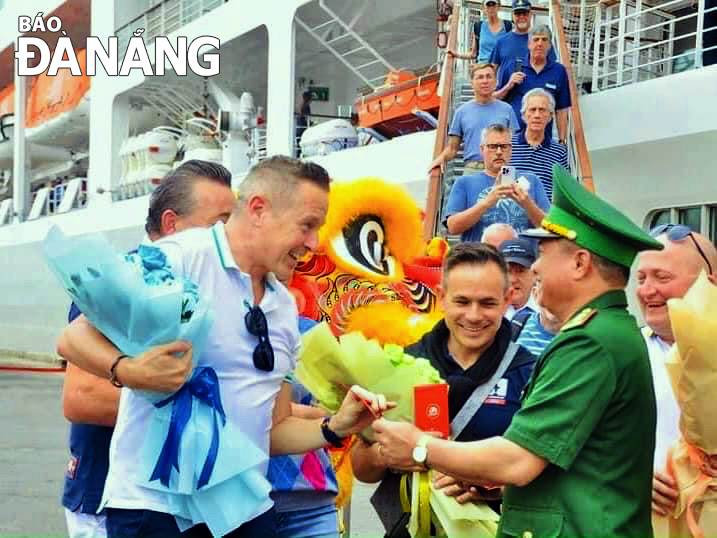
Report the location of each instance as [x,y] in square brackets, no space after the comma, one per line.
[534,337]
[539,159]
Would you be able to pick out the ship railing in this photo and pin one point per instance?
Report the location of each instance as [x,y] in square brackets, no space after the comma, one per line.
[445,88]
[629,41]
[57,196]
[578,155]
[162,18]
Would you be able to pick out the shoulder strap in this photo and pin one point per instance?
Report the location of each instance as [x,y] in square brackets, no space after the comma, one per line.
[481,392]
[508,25]
[518,322]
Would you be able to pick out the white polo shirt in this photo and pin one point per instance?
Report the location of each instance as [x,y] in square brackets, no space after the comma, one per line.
[667,433]
[203,256]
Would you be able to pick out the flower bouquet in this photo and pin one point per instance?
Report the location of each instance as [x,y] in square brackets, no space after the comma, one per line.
[208,469]
[328,368]
[692,367]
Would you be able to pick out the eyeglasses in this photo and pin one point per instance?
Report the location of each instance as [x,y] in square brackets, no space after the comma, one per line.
[678,232]
[255,322]
[496,147]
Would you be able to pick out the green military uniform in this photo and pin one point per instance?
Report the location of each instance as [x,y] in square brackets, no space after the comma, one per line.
[589,409]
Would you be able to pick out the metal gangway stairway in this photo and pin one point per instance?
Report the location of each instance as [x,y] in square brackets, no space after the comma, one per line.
[339,38]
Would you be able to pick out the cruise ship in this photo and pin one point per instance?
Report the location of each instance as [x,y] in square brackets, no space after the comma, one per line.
[83,152]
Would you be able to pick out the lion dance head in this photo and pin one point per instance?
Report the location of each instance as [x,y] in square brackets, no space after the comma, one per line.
[368,274]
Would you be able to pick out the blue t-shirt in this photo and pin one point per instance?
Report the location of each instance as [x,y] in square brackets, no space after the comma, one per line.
[508,48]
[472,117]
[534,337]
[467,190]
[488,40]
[553,78]
[89,461]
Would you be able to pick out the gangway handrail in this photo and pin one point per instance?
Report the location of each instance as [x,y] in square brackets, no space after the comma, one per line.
[436,174]
[578,145]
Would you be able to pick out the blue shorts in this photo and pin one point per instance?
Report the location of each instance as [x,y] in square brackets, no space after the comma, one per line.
[319,522]
[147,524]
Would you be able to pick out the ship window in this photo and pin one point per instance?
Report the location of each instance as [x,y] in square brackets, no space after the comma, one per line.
[660,217]
[691,217]
[701,218]
[713,223]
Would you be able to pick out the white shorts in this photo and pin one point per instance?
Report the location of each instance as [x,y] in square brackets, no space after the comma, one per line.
[81,525]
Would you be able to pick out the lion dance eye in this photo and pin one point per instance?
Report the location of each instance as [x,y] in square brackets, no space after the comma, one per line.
[362,244]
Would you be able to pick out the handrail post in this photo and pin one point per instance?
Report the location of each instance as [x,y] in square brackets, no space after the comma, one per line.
[581,40]
[636,42]
[621,42]
[583,157]
[433,198]
[596,49]
[698,35]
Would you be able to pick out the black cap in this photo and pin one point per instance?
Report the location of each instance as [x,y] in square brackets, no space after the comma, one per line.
[518,251]
[521,5]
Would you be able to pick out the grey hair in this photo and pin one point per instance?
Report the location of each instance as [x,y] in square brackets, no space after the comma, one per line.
[498,227]
[494,128]
[537,92]
[541,29]
[277,178]
[176,190]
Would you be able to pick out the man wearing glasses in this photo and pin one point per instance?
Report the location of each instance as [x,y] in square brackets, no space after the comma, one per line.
[486,198]
[252,345]
[662,275]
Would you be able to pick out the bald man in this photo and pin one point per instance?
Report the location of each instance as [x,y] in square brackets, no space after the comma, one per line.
[498,232]
[662,275]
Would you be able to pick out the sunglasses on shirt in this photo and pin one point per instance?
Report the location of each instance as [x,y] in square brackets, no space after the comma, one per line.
[678,232]
[255,322]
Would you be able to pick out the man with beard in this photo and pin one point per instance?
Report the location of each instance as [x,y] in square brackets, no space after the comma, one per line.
[480,200]
[576,459]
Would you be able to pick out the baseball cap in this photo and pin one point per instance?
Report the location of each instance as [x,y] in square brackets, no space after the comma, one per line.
[521,5]
[518,251]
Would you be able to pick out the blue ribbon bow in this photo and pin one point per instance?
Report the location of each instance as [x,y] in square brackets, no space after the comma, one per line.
[204,385]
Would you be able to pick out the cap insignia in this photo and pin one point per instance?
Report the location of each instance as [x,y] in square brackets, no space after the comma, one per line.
[558,229]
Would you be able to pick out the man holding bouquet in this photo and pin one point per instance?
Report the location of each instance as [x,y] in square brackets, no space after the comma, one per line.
[252,344]
[196,193]
[576,459]
[663,275]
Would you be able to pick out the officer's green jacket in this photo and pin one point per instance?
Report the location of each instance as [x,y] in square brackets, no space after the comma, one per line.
[589,410]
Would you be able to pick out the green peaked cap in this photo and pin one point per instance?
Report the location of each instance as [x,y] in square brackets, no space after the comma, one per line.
[579,215]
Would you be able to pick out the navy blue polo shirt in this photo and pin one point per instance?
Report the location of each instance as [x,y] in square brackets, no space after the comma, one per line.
[89,461]
[508,48]
[553,78]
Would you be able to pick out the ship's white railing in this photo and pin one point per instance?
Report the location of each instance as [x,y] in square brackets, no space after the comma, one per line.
[163,17]
[634,41]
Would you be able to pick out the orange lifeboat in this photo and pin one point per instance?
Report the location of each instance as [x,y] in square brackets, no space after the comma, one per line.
[390,109]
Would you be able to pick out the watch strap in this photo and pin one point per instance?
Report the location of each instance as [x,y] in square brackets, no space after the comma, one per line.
[330,435]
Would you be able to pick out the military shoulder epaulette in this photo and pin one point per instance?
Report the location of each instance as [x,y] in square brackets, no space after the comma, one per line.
[579,320]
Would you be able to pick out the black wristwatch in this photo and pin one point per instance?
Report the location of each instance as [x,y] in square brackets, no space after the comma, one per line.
[330,435]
